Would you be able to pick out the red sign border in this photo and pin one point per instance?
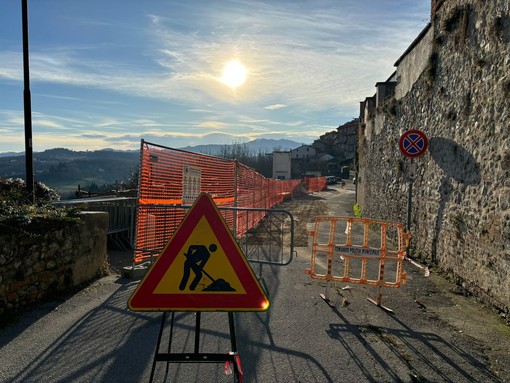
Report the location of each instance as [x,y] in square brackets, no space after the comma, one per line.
[255,299]
[404,136]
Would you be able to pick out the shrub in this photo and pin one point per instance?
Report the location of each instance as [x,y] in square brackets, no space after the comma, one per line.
[16,210]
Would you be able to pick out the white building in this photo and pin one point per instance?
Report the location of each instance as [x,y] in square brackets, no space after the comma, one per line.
[281,165]
[302,152]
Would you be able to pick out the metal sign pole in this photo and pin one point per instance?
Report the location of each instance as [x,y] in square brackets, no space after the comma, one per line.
[412,144]
[29,162]
[409,205]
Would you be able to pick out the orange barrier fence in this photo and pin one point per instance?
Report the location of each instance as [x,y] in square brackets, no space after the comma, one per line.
[359,251]
[314,184]
[176,177]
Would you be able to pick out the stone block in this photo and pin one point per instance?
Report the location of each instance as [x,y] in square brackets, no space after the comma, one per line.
[12,297]
[47,277]
[19,285]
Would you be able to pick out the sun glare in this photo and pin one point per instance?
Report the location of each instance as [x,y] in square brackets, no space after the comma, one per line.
[234,74]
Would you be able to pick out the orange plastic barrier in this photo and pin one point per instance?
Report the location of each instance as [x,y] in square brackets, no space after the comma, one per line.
[314,184]
[173,177]
[359,251]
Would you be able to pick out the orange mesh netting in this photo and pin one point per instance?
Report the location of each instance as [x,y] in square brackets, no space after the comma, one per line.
[163,187]
[314,184]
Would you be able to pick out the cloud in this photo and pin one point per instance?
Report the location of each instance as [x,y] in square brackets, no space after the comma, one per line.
[275,106]
[310,63]
[42,123]
[211,125]
[147,123]
[11,65]
[311,57]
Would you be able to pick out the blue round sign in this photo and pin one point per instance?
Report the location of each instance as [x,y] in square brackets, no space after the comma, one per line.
[413,143]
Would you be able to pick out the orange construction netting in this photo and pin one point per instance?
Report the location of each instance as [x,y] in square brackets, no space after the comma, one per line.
[170,178]
[314,184]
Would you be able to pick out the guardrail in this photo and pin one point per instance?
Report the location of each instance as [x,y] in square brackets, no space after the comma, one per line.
[121,212]
[266,236]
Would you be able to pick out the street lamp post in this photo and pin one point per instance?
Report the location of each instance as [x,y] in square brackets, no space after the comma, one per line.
[29,166]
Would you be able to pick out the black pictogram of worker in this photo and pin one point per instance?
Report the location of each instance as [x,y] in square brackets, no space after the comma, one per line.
[196,258]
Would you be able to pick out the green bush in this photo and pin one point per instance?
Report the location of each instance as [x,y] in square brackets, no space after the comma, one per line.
[16,209]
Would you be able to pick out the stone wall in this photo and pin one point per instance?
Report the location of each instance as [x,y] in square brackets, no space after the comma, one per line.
[461,189]
[49,257]
[411,64]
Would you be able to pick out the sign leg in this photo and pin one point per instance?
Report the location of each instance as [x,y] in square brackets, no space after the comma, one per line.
[197,332]
[170,340]
[233,344]
[231,325]
[157,346]
[231,359]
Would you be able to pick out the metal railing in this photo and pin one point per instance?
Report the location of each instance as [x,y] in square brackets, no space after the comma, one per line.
[269,241]
[121,214]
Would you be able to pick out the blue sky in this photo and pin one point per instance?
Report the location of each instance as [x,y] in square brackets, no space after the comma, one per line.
[106,73]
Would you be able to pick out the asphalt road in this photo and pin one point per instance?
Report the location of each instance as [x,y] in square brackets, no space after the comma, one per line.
[93,337]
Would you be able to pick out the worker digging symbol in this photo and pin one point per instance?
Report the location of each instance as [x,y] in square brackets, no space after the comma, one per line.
[196,258]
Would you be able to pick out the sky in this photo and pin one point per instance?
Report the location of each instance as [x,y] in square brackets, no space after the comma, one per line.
[108,73]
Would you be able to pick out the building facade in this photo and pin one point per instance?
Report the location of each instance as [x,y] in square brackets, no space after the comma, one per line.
[282,165]
[453,84]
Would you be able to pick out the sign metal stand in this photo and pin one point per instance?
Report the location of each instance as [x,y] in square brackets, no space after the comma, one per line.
[202,237]
[230,359]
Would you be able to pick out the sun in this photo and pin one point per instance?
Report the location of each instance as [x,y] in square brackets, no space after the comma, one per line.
[234,74]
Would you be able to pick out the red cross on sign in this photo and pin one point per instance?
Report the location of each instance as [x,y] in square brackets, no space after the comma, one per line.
[413,143]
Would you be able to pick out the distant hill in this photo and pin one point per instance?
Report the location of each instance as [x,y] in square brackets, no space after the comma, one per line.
[260,145]
[64,169]
[10,154]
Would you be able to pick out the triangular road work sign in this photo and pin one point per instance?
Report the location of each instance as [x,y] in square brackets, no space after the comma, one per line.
[202,268]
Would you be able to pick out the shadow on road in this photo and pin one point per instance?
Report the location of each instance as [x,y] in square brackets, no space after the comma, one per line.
[84,347]
[427,356]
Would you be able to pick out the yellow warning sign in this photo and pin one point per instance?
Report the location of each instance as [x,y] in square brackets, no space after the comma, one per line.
[175,280]
[202,268]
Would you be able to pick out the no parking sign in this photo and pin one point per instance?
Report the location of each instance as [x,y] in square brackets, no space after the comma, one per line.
[413,143]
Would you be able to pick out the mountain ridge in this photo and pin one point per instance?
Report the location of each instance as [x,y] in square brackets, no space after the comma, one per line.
[264,145]
[254,145]
[64,169]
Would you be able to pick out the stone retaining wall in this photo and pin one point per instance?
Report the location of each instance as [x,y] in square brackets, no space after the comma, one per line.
[461,190]
[49,257]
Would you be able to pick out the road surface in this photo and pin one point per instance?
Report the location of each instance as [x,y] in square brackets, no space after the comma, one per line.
[434,334]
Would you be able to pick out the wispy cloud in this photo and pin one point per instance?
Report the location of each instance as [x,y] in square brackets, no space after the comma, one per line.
[275,106]
[156,70]
[296,56]
[211,124]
